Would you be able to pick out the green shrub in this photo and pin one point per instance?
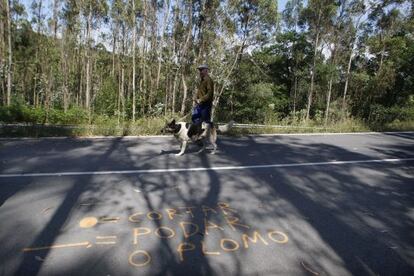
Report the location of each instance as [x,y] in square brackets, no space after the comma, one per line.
[73,116]
[380,115]
[19,113]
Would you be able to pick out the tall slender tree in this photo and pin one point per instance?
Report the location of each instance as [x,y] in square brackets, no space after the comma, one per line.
[92,11]
[9,53]
[356,10]
[291,16]
[318,16]
[2,51]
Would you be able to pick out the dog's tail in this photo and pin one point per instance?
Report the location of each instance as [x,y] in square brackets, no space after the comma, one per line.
[225,128]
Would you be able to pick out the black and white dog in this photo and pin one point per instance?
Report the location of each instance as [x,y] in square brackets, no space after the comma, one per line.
[186,133]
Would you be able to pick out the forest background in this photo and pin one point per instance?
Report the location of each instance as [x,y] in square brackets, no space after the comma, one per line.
[125,66]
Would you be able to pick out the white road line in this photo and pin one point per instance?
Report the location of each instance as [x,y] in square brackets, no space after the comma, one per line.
[170,136]
[206,169]
[331,133]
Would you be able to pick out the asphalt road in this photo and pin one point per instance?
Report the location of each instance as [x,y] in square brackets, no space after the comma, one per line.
[263,205]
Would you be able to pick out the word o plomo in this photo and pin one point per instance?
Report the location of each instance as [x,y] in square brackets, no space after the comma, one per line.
[141,257]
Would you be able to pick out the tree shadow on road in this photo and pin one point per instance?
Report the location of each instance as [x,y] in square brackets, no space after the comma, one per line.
[359,211]
[339,218]
[52,230]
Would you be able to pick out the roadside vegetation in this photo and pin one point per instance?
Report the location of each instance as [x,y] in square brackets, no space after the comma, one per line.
[124,67]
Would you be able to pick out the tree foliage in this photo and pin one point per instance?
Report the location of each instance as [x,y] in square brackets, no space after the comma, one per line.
[134,58]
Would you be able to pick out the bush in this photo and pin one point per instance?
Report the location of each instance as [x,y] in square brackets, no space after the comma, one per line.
[73,116]
[380,115]
[19,113]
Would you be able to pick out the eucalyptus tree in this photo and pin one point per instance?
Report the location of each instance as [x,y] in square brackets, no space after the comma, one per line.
[334,38]
[38,85]
[255,25]
[185,54]
[189,31]
[318,17]
[134,10]
[93,12]
[46,58]
[72,62]
[13,28]
[143,57]
[123,59]
[355,11]
[161,35]
[55,17]
[388,43]
[291,16]
[9,52]
[3,54]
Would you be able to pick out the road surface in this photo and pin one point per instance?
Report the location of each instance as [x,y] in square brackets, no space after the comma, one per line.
[263,205]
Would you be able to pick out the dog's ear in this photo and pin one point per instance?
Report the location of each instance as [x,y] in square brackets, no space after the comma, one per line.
[173,122]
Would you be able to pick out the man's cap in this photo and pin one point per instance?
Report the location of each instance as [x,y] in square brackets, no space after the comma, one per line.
[202,66]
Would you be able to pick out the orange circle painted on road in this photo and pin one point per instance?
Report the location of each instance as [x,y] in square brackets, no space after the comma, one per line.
[284,239]
[88,222]
[134,263]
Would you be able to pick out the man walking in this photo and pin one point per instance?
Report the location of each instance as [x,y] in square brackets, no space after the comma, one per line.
[203,101]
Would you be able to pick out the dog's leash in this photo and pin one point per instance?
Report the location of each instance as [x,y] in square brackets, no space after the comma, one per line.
[183,117]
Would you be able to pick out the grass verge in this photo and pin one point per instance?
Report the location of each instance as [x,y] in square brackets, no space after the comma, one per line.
[153,126]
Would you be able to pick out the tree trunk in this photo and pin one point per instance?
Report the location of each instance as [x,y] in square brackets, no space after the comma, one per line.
[2,55]
[166,96]
[174,93]
[310,96]
[34,91]
[80,93]
[49,90]
[88,61]
[348,72]
[153,46]
[382,53]
[122,92]
[134,38]
[9,65]
[164,26]
[122,88]
[295,92]
[143,60]
[185,94]
[328,100]
[64,68]
[331,76]
[115,35]
[217,96]
[183,55]
[55,18]
[119,90]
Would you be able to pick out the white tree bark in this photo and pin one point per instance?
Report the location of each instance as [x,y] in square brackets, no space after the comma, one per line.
[184,94]
[310,96]
[164,27]
[2,53]
[134,38]
[9,53]
[88,58]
